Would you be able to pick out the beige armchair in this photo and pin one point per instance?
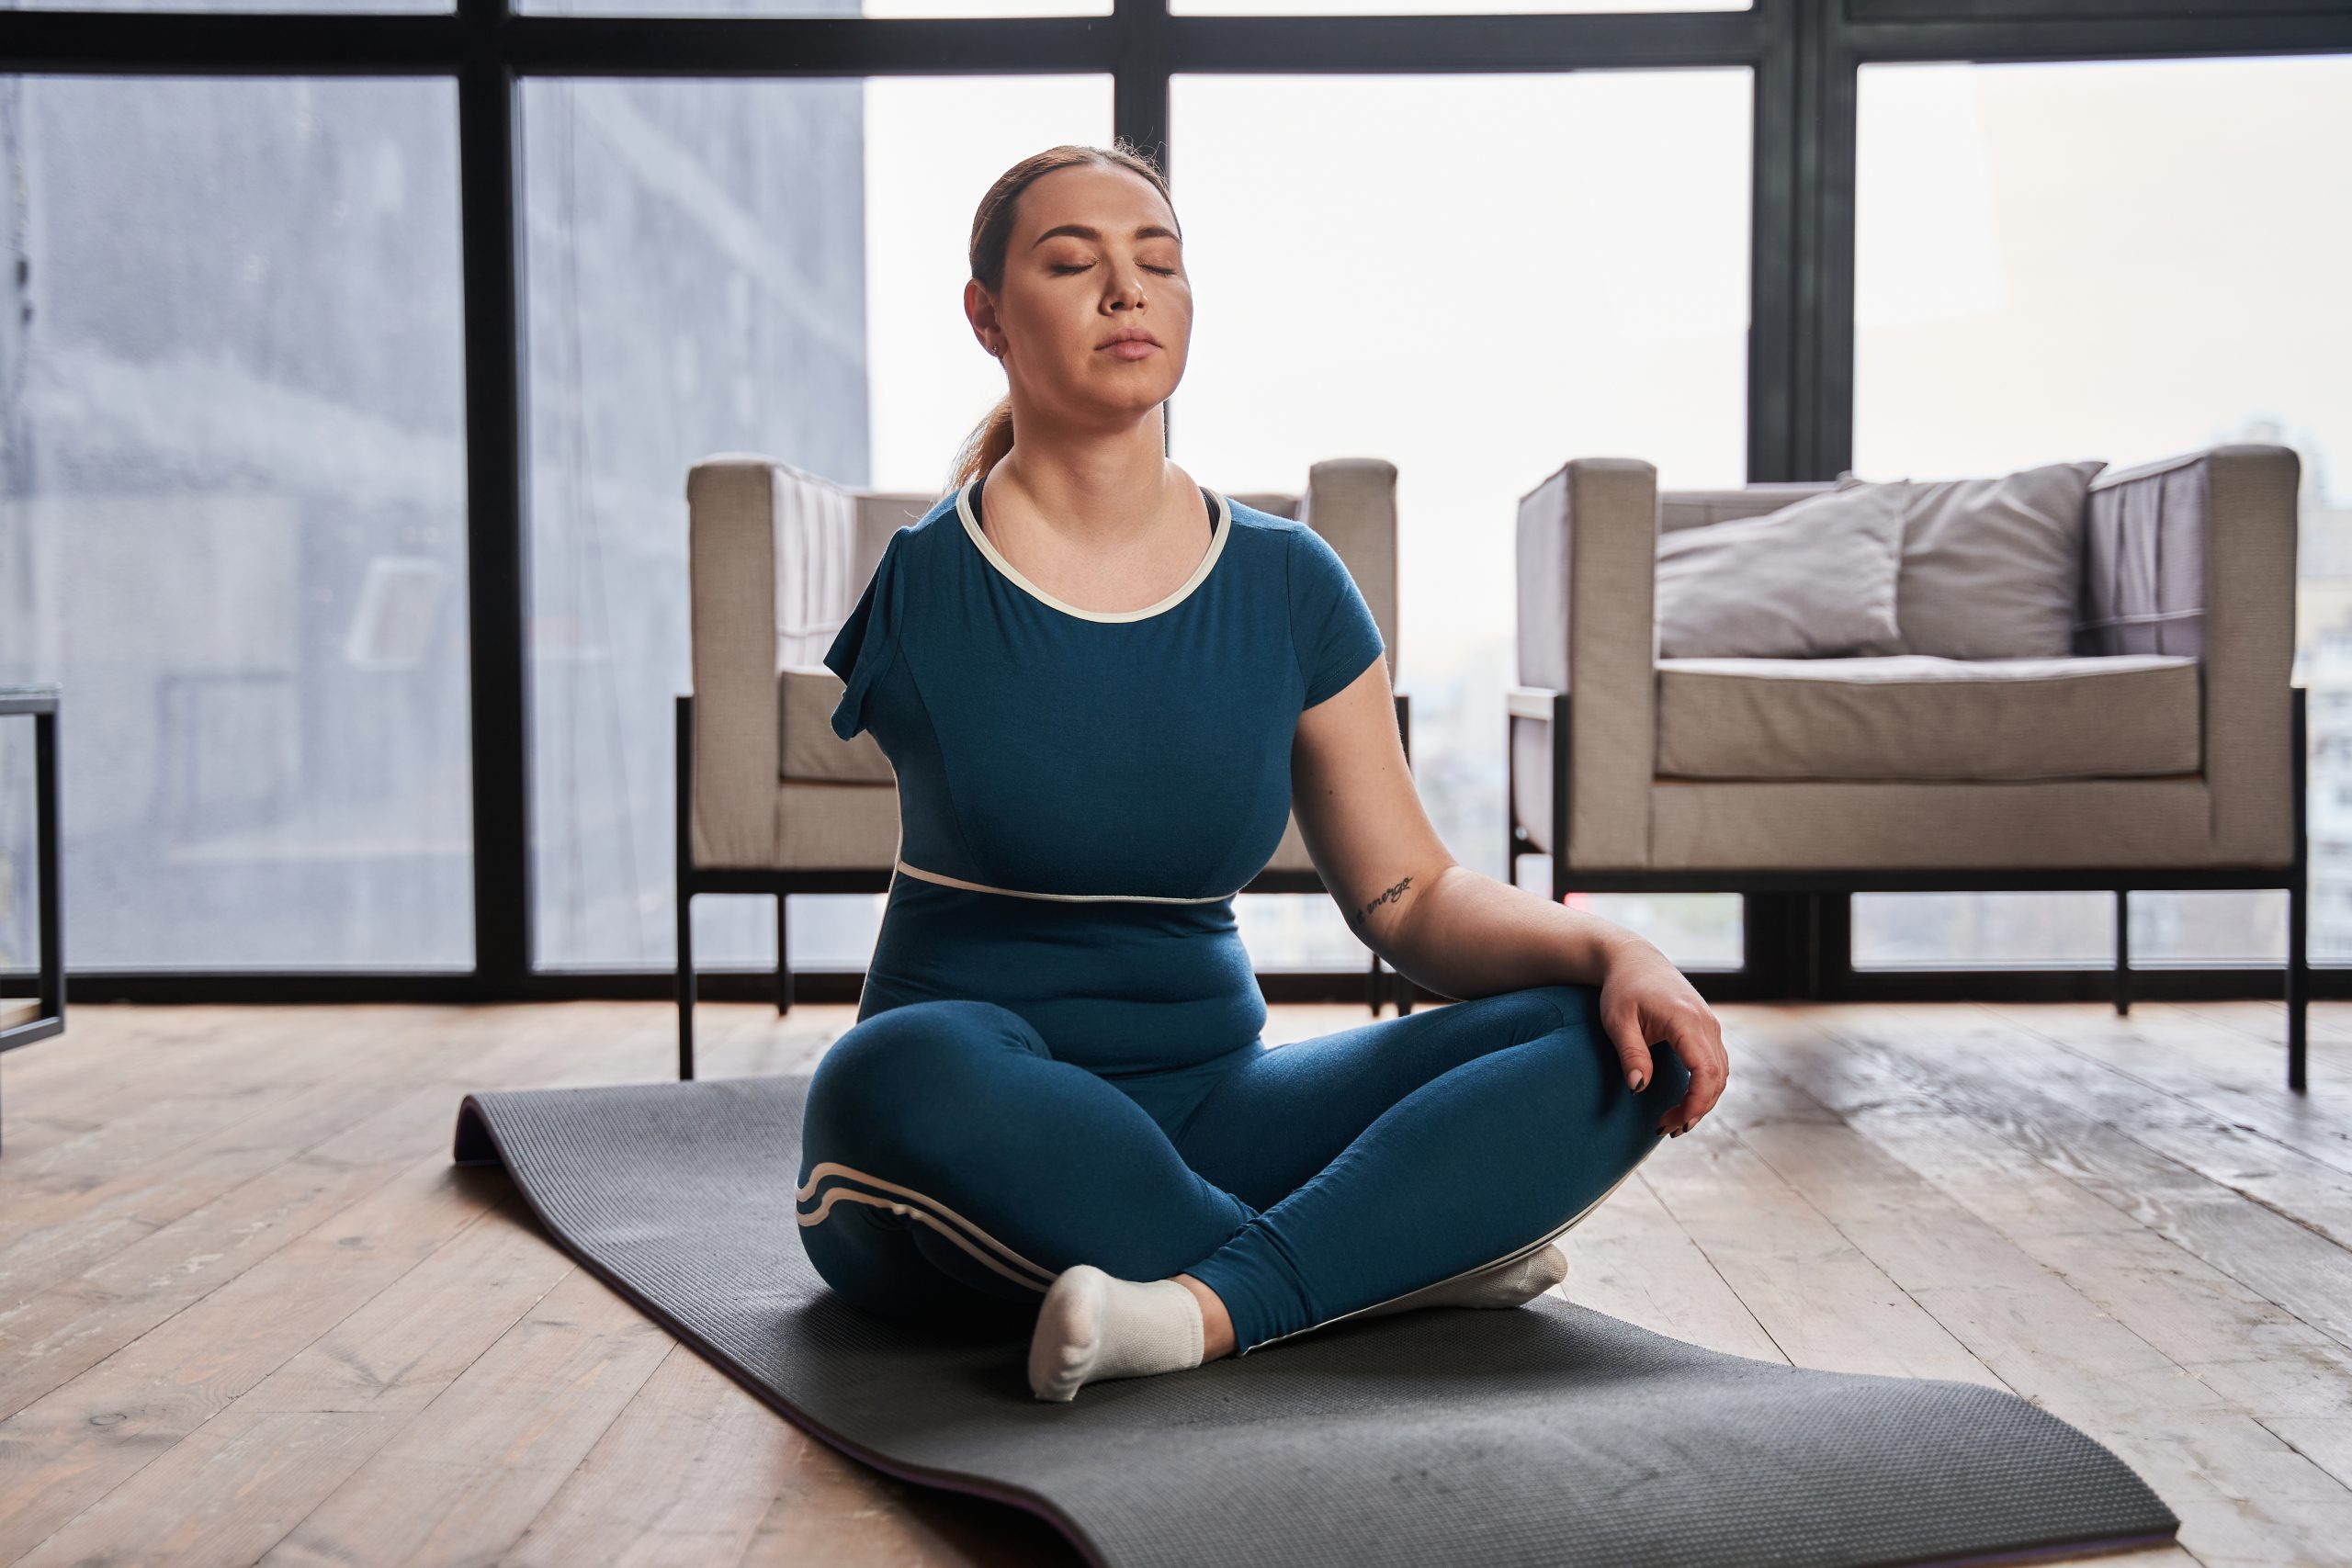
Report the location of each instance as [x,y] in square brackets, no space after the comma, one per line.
[769,799]
[2166,752]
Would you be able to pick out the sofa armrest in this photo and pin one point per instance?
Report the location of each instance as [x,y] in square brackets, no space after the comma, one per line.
[1586,573]
[760,536]
[2195,554]
[1530,763]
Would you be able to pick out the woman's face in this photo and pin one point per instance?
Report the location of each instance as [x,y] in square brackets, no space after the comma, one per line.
[1093,252]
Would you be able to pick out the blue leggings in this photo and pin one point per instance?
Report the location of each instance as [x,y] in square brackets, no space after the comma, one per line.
[951,1167]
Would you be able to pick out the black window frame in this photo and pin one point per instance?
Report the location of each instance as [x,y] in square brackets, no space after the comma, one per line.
[1805,56]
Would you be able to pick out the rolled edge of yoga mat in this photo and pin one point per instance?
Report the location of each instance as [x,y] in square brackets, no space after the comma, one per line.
[477,1143]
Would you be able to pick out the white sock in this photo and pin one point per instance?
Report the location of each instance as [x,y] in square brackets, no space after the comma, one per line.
[1510,1284]
[1093,1326]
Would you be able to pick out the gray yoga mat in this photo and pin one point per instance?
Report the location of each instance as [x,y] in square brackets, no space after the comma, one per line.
[1549,1434]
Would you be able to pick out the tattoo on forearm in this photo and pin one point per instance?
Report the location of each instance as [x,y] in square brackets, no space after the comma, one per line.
[1390,897]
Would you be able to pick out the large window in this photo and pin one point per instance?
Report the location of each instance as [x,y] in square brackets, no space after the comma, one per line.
[750,266]
[818,8]
[235,526]
[1435,7]
[2123,259]
[1373,281]
[355,369]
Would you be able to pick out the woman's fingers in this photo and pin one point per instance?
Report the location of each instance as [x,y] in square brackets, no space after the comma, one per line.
[1645,998]
[1700,1043]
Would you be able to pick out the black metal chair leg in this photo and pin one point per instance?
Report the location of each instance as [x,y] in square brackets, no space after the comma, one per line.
[2298,911]
[684,899]
[2122,950]
[686,984]
[783,954]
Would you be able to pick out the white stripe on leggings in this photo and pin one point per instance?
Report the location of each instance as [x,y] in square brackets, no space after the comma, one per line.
[834,1167]
[897,1208]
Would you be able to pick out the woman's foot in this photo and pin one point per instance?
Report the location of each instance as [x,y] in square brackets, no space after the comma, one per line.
[1091,1327]
[1510,1284]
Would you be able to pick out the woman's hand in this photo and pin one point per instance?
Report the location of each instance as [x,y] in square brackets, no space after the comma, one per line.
[1645,998]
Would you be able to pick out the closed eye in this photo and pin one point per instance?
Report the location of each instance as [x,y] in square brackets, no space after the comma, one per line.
[1060,269]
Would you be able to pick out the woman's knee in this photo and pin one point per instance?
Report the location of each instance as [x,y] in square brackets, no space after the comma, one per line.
[1578,1005]
[920,1044]
[892,1070]
[1579,1008]
[898,1268]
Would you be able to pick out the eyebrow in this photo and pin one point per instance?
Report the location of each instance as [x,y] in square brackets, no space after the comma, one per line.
[1087,232]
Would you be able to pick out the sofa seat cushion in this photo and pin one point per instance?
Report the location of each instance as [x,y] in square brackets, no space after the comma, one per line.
[806,748]
[1919,717]
[835,827]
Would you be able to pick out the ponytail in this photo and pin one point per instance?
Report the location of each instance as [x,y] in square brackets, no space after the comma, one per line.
[987,445]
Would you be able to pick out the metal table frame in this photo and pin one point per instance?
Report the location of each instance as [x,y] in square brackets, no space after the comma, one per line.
[40,704]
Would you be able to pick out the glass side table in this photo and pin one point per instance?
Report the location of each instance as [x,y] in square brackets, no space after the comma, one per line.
[39,705]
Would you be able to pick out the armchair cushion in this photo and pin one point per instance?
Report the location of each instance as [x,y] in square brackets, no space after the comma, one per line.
[1992,567]
[1913,717]
[806,698]
[1813,579]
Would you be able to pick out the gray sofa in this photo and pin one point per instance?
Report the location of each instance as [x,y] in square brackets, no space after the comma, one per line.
[2165,751]
[770,800]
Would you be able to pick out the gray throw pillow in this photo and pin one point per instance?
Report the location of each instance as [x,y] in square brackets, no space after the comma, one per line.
[1993,567]
[1813,579]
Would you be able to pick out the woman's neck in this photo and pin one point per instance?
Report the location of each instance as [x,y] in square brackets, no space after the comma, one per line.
[979,483]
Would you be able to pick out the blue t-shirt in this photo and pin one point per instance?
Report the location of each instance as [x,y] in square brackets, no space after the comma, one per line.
[1082,793]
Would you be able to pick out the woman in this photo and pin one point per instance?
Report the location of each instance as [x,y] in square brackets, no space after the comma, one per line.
[1103,694]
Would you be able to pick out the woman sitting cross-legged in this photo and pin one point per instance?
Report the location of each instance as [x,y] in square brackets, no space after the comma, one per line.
[1105,690]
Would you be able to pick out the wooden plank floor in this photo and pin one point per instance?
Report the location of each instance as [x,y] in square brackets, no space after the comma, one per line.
[250,1312]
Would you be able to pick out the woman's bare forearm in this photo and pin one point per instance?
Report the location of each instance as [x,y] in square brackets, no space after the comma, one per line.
[1468,935]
